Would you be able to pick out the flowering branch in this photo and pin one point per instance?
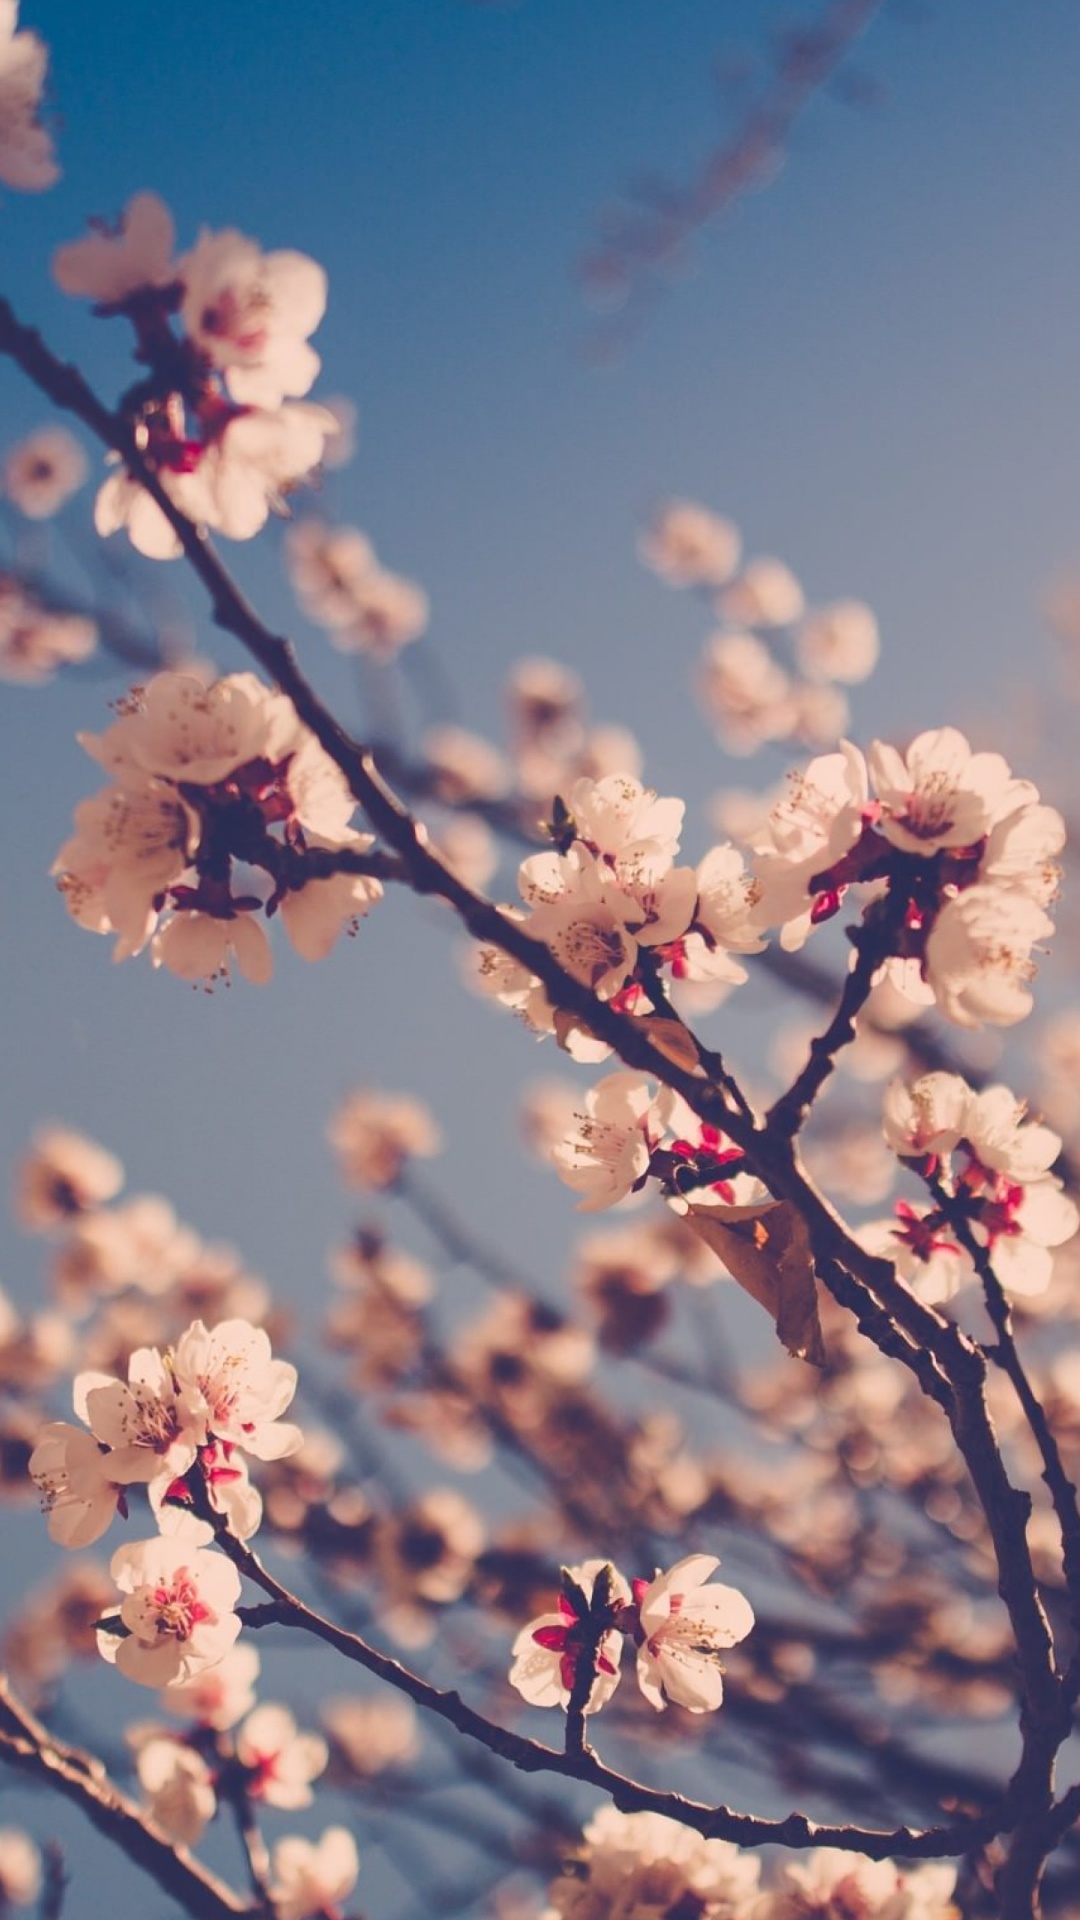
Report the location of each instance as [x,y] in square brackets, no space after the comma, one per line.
[286,1609]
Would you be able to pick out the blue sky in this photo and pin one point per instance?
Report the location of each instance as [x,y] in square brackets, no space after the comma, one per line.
[873,368]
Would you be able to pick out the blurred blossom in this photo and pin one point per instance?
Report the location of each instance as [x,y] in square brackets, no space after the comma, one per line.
[369,1736]
[375,1135]
[765,594]
[20,1861]
[690,547]
[43,471]
[838,642]
[463,765]
[340,445]
[26,150]
[34,640]
[746,694]
[64,1174]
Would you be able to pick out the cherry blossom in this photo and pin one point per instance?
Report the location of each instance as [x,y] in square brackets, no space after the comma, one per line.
[309,1880]
[43,471]
[942,794]
[315,914]
[617,1131]
[634,1865]
[547,1652]
[838,642]
[929,1117]
[832,1884]
[35,640]
[371,1736]
[203,947]
[685,1625]
[149,1421]
[234,1390]
[251,314]
[179,1787]
[765,594]
[978,955]
[259,456]
[327,566]
[376,1134]
[177,1608]
[26,151]
[82,1487]
[280,1762]
[817,821]
[690,547]
[745,691]
[64,1174]
[112,263]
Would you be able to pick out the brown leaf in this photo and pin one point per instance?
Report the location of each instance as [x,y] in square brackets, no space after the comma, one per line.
[671,1038]
[766,1248]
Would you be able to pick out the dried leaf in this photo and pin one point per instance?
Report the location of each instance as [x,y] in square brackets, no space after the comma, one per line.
[671,1038]
[766,1248]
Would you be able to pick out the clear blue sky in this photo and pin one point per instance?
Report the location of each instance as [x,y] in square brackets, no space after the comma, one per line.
[874,370]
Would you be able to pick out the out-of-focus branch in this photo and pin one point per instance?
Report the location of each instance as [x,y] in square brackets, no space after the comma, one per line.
[26,1744]
[645,235]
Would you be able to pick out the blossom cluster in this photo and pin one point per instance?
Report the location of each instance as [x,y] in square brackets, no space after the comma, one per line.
[995,1165]
[612,906]
[679,1623]
[218,415]
[631,1865]
[775,669]
[964,850]
[201,776]
[180,1425]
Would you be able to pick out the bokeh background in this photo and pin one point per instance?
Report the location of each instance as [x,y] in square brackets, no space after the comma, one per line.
[871,365]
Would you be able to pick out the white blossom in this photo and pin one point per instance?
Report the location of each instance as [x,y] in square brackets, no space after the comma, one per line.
[203,947]
[942,794]
[62,1175]
[81,1485]
[20,1868]
[834,1884]
[978,955]
[547,1651]
[685,1626]
[929,1117]
[616,1134]
[235,1390]
[251,314]
[375,1135]
[178,1610]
